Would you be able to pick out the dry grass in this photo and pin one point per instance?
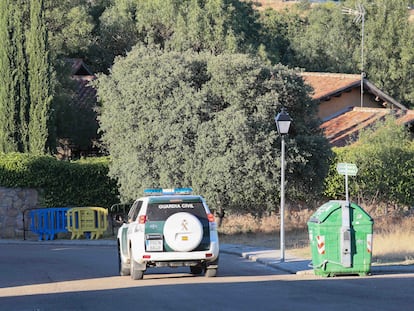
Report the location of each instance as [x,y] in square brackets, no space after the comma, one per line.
[393,236]
[264,232]
[393,240]
[268,224]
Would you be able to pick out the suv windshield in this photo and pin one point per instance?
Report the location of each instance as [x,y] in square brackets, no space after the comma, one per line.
[162,210]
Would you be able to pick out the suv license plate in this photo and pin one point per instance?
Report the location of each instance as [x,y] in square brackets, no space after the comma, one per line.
[154,245]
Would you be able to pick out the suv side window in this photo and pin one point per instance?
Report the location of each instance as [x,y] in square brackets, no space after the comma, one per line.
[133,213]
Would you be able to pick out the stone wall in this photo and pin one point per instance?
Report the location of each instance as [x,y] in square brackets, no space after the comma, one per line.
[13,202]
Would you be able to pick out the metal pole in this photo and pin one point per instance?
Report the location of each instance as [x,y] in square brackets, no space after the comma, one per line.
[282,203]
[362,54]
[359,14]
[346,188]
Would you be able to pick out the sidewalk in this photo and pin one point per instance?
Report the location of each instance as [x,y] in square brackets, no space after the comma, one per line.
[267,257]
[300,266]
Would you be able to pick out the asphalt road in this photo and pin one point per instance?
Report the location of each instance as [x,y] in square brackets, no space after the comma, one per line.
[52,277]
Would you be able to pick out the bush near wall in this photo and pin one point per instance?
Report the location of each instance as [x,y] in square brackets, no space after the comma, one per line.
[60,183]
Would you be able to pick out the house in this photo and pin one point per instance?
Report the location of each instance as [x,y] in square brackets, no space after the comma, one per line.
[81,73]
[78,137]
[342,110]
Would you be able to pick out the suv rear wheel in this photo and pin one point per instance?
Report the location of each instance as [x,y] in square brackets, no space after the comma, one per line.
[136,274]
[212,272]
[196,270]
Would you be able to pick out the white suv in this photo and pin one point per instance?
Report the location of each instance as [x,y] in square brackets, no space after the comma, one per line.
[168,228]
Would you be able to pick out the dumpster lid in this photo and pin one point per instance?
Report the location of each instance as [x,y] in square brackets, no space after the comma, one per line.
[323,212]
[330,207]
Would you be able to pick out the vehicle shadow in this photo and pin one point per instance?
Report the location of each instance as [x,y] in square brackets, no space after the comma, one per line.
[227,293]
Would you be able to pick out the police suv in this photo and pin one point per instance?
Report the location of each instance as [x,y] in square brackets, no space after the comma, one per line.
[168,228]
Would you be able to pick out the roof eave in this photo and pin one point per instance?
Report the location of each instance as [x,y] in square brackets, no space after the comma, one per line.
[367,85]
[387,98]
[339,91]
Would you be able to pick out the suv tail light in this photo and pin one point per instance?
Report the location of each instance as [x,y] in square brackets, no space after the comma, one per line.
[210,217]
[142,219]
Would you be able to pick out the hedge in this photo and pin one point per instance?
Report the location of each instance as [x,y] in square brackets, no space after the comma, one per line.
[60,183]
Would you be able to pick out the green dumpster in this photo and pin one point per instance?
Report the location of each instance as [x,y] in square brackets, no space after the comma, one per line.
[340,235]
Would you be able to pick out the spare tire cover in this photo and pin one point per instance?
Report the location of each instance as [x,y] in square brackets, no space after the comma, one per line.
[183,232]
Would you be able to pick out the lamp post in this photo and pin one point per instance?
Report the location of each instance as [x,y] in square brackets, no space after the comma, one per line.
[283,121]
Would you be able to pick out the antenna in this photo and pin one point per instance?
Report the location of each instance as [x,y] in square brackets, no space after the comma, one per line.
[359,13]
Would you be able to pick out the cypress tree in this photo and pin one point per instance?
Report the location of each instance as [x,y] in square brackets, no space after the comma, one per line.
[40,75]
[20,15]
[7,76]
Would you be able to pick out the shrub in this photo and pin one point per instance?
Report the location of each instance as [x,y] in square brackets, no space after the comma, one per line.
[384,156]
[60,183]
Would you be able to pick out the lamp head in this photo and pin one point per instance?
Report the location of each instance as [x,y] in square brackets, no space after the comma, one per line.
[283,121]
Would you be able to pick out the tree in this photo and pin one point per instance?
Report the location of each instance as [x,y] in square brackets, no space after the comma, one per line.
[141,136]
[14,92]
[328,41]
[278,29]
[8,111]
[115,35]
[196,119]
[70,27]
[389,48]
[40,79]
[198,25]
[216,26]
[26,77]
[22,97]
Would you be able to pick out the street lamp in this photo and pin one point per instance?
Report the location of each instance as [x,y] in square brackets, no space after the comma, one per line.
[283,121]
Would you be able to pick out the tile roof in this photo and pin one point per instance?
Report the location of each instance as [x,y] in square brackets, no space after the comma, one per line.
[78,67]
[85,93]
[341,129]
[82,75]
[328,84]
[407,118]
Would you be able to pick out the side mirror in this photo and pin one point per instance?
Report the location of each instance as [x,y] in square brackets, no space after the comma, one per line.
[119,218]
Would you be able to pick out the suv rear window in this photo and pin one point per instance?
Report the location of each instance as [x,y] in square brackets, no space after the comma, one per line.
[160,211]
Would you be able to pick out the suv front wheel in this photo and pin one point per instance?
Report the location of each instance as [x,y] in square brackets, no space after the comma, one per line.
[124,269]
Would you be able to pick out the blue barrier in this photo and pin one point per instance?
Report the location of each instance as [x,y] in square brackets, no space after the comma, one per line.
[47,222]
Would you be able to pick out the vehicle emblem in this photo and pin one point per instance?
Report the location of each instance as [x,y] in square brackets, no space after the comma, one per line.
[184,225]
